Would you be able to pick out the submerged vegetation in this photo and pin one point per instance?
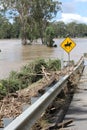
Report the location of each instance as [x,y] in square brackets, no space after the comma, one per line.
[28,74]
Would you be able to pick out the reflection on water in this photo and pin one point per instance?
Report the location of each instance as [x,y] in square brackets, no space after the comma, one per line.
[14,55]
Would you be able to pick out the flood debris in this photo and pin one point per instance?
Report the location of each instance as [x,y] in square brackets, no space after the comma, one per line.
[12,104]
[55,113]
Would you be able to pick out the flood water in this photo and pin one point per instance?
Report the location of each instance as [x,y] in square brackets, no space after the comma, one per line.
[13,55]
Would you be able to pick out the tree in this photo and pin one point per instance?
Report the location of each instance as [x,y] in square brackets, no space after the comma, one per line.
[60,29]
[5,27]
[82,30]
[49,36]
[42,12]
[72,29]
[15,28]
[32,30]
[19,8]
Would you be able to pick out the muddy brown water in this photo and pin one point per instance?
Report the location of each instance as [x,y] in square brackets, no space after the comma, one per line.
[13,55]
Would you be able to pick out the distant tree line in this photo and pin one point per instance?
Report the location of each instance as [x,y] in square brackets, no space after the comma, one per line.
[54,30]
[72,29]
[8,30]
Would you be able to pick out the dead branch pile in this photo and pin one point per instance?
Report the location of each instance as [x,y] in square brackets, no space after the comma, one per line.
[11,105]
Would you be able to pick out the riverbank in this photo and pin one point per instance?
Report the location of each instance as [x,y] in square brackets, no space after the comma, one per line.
[13,55]
[15,103]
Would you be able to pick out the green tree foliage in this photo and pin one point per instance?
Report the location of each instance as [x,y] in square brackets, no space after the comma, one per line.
[15,29]
[4,27]
[32,30]
[49,36]
[20,8]
[60,29]
[8,30]
[36,10]
[42,12]
[72,29]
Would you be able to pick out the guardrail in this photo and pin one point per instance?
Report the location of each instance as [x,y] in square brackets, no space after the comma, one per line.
[29,116]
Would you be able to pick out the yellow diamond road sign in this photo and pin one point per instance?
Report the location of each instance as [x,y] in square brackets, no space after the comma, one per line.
[68,44]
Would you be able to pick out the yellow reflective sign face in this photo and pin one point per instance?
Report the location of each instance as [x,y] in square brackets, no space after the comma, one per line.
[68,44]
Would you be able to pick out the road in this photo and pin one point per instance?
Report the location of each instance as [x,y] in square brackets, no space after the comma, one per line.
[78,108]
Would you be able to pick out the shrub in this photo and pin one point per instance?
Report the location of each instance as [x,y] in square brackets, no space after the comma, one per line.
[38,68]
[27,75]
[2,90]
[54,64]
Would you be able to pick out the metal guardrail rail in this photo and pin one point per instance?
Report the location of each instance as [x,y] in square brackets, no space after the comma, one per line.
[29,116]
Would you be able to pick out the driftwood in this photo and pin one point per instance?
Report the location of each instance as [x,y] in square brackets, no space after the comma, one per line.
[45,72]
[65,123]
[1,115]
[49,82]
[81,81]
[11,105]
[61,125]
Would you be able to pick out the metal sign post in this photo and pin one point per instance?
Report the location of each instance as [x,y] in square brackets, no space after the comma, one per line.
[62,64]
[68,59]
